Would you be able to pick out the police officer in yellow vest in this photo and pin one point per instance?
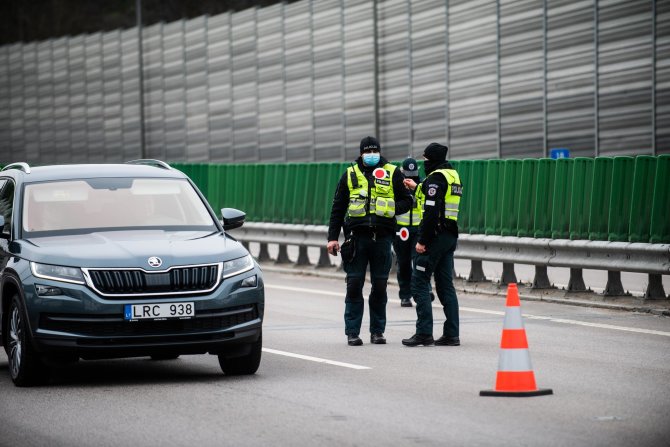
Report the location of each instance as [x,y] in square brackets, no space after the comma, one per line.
[438,235]
[368,197]
[407,231]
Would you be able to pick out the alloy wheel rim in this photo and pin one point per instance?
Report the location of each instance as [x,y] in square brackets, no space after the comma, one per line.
[15,341]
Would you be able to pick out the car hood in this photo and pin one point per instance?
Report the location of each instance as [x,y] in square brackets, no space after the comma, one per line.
[132,249]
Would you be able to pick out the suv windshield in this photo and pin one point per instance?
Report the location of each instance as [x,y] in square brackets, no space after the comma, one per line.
[113,204]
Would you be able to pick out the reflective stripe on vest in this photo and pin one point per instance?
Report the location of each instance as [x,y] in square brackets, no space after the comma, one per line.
[414,216]
[454,191]
[382,199]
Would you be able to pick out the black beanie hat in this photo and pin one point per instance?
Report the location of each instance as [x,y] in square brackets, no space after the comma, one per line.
[370,143]
[436,152]
[410,167]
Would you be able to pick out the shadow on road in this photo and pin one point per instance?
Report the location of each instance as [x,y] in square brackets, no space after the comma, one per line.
[132,371]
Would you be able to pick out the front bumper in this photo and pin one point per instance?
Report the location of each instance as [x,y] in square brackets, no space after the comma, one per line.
[221,333]
[80,323]
[230,343]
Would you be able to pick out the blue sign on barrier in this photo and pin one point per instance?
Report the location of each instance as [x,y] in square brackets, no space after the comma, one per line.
[560,152]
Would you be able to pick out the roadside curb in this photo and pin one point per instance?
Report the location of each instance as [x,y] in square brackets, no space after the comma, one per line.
[556,296]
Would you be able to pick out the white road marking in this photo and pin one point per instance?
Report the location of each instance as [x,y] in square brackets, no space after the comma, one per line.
[300,289]
[599,325]
[472,309]
[315,359]
[567,321]
[496,312]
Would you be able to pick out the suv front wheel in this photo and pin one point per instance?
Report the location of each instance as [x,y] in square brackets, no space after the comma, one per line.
[25,365]
[245,365]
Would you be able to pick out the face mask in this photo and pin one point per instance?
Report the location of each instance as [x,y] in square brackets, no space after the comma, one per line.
[371,159]
[431,165]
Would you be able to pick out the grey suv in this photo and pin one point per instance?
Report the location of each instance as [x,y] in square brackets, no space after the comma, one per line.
[124,260]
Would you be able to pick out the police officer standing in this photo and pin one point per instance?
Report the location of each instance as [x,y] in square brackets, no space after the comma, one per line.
[406,233]
[368,197]
[436,244]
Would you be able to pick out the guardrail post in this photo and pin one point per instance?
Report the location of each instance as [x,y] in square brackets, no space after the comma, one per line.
[576,282]
[476,271]
[655,289]
[508,275]
[324,260]
[303,258]
[263,253]
[541,280]
[614,286]
[282,256]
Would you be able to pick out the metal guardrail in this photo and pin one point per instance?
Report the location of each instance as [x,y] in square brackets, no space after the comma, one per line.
[614,257]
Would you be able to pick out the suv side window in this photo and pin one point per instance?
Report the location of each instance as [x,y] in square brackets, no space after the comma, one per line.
[6,203]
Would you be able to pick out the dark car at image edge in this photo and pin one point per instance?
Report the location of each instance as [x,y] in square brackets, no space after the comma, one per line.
[121,260]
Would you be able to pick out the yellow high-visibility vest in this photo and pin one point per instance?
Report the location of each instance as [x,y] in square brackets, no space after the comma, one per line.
[382,198]
[452,198]
[413,217]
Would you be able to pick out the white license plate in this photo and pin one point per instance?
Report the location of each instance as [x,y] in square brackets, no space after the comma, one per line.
[158,311]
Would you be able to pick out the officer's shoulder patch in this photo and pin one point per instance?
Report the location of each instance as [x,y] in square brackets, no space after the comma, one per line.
[432,190]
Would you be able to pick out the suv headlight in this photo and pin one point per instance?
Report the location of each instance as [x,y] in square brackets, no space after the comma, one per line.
[237,266]
[57,273]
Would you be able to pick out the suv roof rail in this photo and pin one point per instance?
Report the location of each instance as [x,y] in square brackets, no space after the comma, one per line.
[25,167]
[150,162]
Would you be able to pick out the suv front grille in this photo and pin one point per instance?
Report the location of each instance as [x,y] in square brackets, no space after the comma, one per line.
[115,326]
[177,280]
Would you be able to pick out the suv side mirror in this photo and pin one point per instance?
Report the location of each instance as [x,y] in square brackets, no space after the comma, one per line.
[3,233]
[232,218]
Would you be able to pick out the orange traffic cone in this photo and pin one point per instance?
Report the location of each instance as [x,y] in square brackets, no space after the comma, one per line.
[515,376]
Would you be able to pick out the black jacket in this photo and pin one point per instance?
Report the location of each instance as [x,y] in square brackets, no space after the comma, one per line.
[403,203]
[434,189]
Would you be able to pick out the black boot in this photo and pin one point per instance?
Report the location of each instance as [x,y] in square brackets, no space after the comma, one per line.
[377,339]
[419,339]
[354,340]
[405,302]
[448,341]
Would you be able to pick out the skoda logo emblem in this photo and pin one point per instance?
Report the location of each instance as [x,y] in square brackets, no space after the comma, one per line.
[155,261]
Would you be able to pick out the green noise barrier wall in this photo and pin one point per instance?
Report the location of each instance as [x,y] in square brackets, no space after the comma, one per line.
[660,208]
[621,196]
[603,198]
[562,203]
[601,190]
[544,197]
[495,177]
[582,180]
[474,194]
[509,214]
[644,178]
[526,216]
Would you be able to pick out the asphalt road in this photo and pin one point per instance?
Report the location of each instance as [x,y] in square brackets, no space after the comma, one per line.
[609,372]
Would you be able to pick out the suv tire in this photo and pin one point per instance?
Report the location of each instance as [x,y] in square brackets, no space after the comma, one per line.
[245,365]
[25,364]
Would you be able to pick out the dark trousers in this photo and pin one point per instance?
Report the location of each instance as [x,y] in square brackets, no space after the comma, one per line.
[439,259]
[376,253]
[405,254]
